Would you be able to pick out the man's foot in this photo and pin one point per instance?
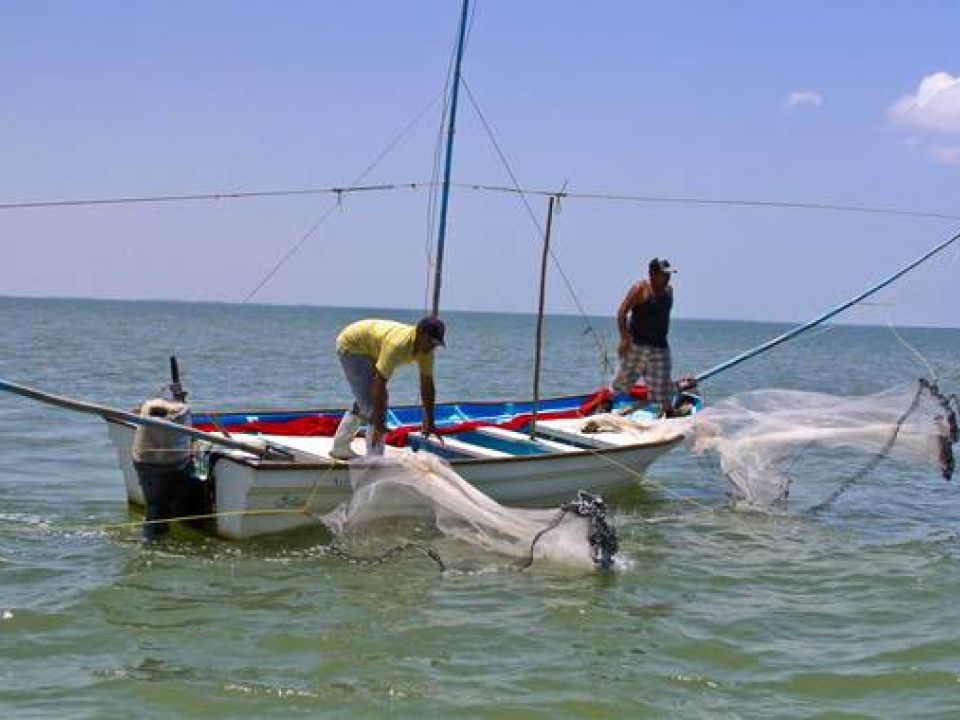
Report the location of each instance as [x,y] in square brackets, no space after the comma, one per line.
[604,405]
[630,409]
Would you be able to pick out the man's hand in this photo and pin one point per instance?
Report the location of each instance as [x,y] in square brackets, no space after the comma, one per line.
[429,428]
[687,382]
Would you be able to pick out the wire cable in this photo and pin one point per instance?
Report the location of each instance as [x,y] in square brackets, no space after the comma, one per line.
[313,228]
[195,197]
[480,187]
[734,202]
[601,343]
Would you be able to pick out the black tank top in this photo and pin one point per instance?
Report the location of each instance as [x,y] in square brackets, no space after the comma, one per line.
[650,320]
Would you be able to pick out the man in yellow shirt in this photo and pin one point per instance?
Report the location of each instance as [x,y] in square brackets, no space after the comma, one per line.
[370,351]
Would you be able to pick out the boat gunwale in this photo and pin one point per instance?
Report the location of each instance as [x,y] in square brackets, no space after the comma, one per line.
[576,454]
[275,465]
[332,410]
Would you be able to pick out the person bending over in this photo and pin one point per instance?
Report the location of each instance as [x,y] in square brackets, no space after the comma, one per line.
[370,351]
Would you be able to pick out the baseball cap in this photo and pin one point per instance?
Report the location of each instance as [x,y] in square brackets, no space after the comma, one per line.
[433,328]
[661,265]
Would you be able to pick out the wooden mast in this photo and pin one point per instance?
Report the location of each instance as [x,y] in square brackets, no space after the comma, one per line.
[543,292]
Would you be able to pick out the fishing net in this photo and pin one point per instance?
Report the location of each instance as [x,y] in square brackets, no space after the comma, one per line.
[770,440]
[418,497]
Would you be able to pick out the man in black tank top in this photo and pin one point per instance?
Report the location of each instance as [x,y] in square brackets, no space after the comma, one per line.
[643,320]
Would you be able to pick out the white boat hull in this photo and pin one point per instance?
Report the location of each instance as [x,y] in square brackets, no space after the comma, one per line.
[256,498]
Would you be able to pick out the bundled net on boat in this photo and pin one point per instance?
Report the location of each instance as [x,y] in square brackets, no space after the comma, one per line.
[768,440]
[417,496]
[639,427]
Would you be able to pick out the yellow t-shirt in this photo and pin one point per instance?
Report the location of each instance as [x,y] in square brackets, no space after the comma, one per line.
[389,344]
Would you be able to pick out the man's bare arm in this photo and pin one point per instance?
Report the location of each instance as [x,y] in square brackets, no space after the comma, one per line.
[634,295]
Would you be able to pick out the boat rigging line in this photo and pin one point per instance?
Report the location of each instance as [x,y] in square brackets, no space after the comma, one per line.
[336,205]
[723,202]
[598,339]
[432,196]
[344,190]
[339,191]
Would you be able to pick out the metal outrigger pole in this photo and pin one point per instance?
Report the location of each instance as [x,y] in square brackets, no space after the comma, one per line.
[448,162]
[824,317]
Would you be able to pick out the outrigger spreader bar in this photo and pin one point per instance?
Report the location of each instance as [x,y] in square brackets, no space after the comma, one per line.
[823,318]
[269,451]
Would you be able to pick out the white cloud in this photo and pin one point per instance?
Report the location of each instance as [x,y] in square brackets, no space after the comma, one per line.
[946,154]
[934,106]
[801,98]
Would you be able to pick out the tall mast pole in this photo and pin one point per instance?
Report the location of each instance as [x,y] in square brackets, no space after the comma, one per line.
[448,162]
[543,293]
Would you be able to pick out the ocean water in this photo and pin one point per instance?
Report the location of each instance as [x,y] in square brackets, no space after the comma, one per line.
[854,612]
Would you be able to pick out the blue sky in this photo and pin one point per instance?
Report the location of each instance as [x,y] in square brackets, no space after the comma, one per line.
[852,103]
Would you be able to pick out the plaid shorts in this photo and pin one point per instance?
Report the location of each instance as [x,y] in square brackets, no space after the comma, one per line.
[654,364]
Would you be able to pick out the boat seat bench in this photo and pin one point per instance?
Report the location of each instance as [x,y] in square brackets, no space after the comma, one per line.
[458,446]
[559,430]
[546,444]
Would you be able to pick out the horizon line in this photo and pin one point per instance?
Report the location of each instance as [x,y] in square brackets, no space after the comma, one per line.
[572,314]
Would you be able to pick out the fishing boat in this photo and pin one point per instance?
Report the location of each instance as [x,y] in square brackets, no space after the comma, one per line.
[496,446]
[539,452]
[268,472]
[265,472]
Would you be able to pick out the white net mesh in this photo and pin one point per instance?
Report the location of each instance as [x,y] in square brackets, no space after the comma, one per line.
[767,440]
[417,496]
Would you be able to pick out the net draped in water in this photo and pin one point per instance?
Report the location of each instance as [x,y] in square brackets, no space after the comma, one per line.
[422,490]
[769,439]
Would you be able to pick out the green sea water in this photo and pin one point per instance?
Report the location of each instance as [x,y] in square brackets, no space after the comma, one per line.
[852,613]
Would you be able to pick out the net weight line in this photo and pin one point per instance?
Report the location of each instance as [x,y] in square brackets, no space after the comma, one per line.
[600,535]
[946,442]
